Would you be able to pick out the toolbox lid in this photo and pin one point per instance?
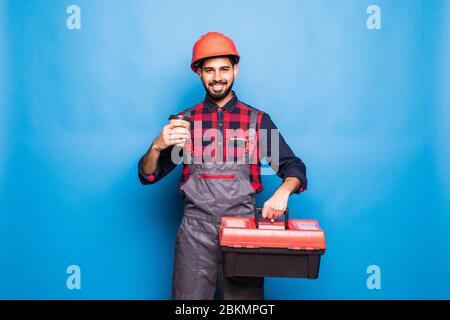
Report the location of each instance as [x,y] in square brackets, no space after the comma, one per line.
[238,232]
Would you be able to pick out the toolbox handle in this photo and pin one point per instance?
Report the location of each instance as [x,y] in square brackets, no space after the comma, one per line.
[286,218]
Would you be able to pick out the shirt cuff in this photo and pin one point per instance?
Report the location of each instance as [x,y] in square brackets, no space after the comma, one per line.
[303,185]
[145,178]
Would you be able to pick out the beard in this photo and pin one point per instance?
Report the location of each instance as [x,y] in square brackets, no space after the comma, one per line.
[216,96]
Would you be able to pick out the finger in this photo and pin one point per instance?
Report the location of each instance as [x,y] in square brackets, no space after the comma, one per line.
[270,213]
[278,213]
[179,123]
[274,214]
[176,141]
[178,130]
[264,211]
[184,134]
[178,136]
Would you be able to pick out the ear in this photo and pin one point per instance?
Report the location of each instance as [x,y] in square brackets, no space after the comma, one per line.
[236,70]
[199,72]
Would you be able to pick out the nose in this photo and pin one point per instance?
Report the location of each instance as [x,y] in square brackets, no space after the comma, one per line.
[217,77]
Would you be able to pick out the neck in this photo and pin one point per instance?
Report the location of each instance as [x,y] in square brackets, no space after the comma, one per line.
[224,100]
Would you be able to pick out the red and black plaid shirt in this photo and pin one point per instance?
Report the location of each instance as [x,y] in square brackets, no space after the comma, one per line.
[234,115]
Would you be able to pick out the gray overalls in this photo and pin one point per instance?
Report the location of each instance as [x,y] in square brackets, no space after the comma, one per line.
[212,190]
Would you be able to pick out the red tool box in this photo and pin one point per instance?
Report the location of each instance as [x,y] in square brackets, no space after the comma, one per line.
[257,248]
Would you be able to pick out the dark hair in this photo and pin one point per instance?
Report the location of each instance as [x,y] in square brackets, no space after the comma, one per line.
[199,63]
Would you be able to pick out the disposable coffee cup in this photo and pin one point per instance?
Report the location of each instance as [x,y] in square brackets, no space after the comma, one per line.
[183,119]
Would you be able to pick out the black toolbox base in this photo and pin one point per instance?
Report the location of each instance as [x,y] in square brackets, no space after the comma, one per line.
[268,262]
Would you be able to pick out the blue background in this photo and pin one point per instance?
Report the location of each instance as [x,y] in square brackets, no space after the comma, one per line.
[367,111]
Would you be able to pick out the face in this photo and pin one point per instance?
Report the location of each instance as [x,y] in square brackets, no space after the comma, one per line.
[217,75]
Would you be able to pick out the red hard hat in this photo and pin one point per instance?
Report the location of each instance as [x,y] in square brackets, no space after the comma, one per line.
[213,44]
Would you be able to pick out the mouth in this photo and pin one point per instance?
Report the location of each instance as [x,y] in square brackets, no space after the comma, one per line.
[217,87]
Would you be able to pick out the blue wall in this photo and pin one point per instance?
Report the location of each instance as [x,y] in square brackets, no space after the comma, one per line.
[79,107]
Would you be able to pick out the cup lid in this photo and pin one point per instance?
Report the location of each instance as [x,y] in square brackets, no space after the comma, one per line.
[179,117]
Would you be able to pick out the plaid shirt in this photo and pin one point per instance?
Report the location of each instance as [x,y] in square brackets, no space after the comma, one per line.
[234,115]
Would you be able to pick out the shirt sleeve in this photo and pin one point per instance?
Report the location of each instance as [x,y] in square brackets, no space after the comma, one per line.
[289,165]
[163,167]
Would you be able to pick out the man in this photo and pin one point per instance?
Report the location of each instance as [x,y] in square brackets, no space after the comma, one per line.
[221,172]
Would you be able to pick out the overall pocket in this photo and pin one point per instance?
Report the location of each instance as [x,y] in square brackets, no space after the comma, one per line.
[218,185]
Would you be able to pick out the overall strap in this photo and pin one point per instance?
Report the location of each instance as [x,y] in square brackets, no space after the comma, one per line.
[252,141]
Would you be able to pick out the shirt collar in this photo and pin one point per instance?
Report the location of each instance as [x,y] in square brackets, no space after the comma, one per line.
[229,106]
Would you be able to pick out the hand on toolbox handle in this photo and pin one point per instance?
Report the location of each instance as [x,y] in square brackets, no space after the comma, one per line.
[275,206]
[286,217]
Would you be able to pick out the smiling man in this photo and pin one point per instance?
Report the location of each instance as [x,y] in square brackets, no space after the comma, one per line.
[223,149]
[218,77]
